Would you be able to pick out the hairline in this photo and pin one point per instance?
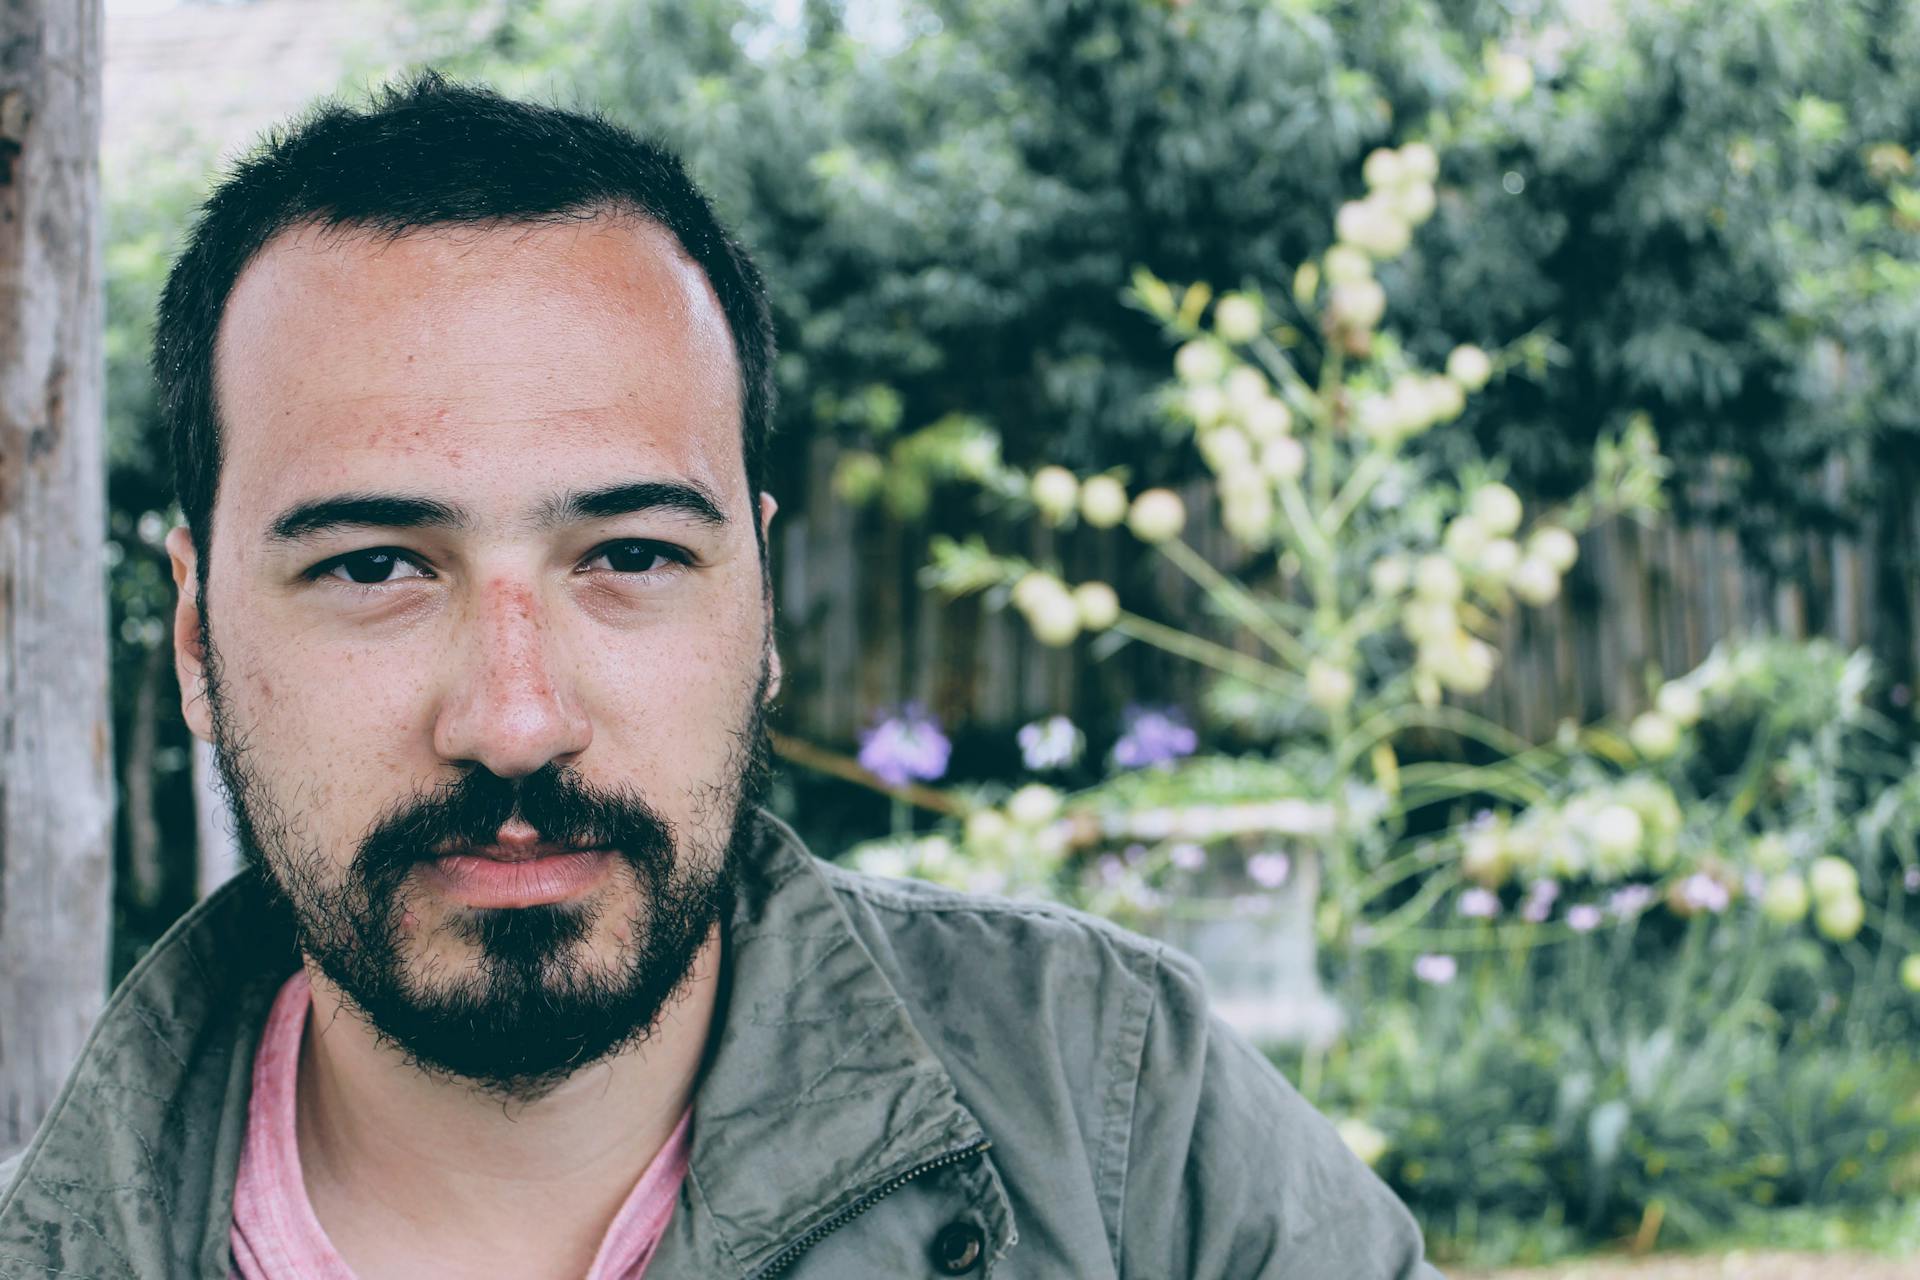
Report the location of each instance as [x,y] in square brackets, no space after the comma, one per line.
[610,211]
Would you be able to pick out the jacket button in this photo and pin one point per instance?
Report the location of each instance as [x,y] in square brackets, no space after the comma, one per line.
[956,1250]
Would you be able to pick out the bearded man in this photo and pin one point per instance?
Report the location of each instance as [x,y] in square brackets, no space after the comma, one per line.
[468,401]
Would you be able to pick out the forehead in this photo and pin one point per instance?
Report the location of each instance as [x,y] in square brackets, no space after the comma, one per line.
[578,344]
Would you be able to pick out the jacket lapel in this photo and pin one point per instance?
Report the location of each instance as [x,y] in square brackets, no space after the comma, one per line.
[819,1093]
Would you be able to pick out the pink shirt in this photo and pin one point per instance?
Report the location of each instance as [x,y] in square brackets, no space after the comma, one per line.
[275,1233]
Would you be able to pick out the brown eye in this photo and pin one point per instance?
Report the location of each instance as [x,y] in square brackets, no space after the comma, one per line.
[367,568]
[639,557]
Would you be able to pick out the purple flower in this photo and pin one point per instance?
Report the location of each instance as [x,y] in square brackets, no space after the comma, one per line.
[1052,743]
[1436,970]
[1187,856]
[1478,904]
[904,746]
[1702,892]
[1630,901]
[1583,918]
[1269,870]
[1541,895]
[1153,736]
[1110,869]
[1911,879]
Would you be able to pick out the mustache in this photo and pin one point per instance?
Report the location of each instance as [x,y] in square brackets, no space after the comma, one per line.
[470,810]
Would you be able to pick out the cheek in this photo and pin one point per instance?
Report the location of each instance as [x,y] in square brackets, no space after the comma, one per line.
[669,708]
[334,725]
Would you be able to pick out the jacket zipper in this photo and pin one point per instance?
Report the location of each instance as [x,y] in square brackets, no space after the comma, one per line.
[791,1254]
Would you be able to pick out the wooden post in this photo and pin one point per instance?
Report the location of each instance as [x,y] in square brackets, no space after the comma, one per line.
[56,758]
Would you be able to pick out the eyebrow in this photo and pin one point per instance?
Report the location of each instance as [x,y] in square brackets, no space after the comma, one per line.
[685,497]
[365,510]
[312,519]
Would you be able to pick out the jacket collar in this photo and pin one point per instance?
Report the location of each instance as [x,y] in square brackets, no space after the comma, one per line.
[818,1093]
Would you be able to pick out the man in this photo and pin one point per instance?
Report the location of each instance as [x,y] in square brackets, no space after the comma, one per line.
[469,401]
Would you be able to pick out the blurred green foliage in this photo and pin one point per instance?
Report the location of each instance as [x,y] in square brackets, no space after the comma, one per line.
[1706,213]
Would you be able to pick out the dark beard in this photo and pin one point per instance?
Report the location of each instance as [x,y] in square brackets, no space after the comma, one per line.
[529,1014]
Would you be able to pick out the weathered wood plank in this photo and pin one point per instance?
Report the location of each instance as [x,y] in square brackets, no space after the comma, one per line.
[56,759]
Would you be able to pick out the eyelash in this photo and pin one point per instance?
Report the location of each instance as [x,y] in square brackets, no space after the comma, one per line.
[676,557]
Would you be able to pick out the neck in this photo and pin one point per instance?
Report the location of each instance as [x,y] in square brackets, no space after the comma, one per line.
[383,1144]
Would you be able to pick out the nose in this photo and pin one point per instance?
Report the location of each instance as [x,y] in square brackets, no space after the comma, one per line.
[511,704]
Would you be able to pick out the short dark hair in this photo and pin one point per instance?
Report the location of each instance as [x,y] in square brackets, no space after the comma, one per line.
[427,152]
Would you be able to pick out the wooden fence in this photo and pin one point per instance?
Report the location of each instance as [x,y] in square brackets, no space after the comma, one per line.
[858,633]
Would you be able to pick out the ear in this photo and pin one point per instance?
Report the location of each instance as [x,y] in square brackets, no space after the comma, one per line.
[189,662]
[767,508]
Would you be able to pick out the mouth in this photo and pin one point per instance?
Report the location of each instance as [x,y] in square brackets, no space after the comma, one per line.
[518,874]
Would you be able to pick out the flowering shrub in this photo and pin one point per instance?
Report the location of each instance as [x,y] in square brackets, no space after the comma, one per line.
[1626,947]
[1374,581]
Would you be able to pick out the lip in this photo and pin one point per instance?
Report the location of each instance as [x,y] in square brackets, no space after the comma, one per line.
[528,877]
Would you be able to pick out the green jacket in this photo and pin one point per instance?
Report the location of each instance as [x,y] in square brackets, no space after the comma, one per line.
[905,1082]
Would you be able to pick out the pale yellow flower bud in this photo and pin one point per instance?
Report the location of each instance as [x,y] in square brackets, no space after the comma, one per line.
[1499,558]
[1200,360]
[1412,203]
[1535,581]
[1469,366]
[1269,418]
[1359,305]
[1373,227]
[1225,450]
[1832,878]
[1055,619]
[1436,578]
[1680,702]
[1205,403]
[1329,686]
[1910,973]
[1383,169]
[1840,919]
[1388,576]
[1653,735]
[1103,502]
[1420,162]
[1033,804]
[1099,605]
[1497,507]
[1509,76]
[1246,387]
[1157,515]
[1283,458]
[1554,545]
[1237,318]
[1346,265]
[986,829]
[1785,899]
[1615,831]
[1465,538]
[1054,491]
